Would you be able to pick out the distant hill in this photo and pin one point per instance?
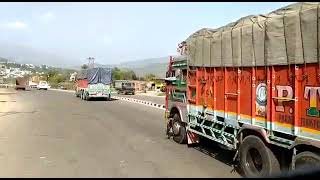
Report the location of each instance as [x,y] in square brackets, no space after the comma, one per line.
[28,55]
[3,60]
[157,66]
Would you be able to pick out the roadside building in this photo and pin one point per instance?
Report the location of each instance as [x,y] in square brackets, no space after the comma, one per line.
[73,76]
[139,86]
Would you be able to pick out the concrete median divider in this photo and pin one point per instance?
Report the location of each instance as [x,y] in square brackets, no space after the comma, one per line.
[138,101]
[70,91]
[147,103]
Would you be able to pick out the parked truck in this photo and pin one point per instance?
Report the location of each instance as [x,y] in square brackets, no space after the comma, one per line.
[94,83]
[124,87]
[22,83]
[253,87]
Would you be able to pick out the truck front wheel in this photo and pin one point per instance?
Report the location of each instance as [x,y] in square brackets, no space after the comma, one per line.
[256,159]
[179,130]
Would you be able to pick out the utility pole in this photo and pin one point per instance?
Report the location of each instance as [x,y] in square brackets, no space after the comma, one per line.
[91,62]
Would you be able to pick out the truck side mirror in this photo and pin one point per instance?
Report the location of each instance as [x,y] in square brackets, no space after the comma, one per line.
[167,74]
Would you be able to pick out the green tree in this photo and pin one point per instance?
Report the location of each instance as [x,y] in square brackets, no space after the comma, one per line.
[118,74]
[84,66]
[130,75]
[55,77]
[150,77]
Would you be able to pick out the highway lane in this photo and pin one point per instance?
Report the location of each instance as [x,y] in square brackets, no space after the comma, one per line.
[54,134]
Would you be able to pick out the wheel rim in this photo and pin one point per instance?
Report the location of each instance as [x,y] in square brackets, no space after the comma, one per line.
[307,162]
[254,160]
[176,128]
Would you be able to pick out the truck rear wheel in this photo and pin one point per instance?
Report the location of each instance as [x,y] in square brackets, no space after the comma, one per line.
[86,96]
[256,159]
[306,161]
[179,130]
[81,95]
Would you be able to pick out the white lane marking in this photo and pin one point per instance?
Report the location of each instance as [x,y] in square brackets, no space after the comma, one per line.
[146,103]
[137,101]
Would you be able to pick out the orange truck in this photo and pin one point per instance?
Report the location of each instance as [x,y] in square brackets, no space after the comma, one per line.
[253,87]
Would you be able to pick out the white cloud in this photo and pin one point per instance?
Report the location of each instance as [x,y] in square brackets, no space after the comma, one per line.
[14,25]
[48,16]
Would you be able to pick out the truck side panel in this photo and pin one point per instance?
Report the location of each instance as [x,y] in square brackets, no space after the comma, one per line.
[283,99]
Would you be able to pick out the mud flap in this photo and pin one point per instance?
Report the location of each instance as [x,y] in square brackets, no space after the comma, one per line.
[235,161]
[192,138]
[169,132]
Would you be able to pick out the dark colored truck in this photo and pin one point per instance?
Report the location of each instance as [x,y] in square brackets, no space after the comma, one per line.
[125,87]
[22,83]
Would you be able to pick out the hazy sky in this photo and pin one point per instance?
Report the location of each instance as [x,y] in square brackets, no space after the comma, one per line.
[115,32]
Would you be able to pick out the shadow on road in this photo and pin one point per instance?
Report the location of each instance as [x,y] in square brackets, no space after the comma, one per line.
[215,151]
[102,99]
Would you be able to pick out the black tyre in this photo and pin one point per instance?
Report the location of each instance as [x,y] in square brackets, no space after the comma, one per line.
[81,95]
[85,97]
[179,130]
[256,159]
[306,161]
[77,94]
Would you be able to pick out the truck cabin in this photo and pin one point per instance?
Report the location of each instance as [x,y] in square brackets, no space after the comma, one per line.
[127,85]
[177,71]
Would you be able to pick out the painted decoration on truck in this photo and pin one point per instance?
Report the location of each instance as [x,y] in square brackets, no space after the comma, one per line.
[312,93]
[261,99]
[286,93]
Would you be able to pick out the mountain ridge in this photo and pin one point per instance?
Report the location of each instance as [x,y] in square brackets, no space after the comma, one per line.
[28,55]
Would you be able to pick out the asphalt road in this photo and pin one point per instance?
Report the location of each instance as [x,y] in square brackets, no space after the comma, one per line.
[55,134]
[154,99]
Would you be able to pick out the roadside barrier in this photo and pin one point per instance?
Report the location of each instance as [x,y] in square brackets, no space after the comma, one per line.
[147,103]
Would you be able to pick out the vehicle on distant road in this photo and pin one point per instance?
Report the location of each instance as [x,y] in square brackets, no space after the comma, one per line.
[22,83]
[62,87]
[94,83]
[43,85]
[124,87]
[251,89]
[32,84]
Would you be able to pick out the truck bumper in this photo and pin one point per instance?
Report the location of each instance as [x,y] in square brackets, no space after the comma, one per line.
[98,95]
